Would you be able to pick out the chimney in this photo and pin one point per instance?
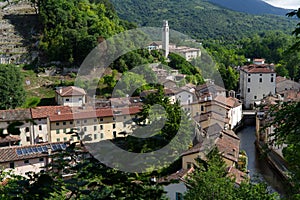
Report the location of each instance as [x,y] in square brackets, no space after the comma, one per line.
[58,112]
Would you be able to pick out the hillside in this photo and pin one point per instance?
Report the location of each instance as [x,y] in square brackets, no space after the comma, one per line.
[199,19]
[251,6]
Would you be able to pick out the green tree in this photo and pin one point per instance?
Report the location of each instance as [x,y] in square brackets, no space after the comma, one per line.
[229,76]
[210,180]
[285,118]
[11,87]
[281,71]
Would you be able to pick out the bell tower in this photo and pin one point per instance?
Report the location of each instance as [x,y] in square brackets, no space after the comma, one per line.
[165,38]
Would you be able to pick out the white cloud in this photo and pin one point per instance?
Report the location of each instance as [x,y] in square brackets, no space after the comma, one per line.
[290,4]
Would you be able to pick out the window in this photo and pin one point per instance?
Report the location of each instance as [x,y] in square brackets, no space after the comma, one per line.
[189,165]
[272,74]
[114,125]
[115,134]
[95,137]
[249,74]
[57,131]
[85,121]
[67,99]
[202,108]
[65,130]
[40,127]
[114,118]
[95,128]
[58,139]
[255,97]
[27,129]
[80,99]
[26,161]
[12,165]
[248,89]
[64,123]
[249,80]
[101,119]
[84,128]
[71,122]
[260,74]
[57,123]
[65,139]
[125,117]
[260,80]
[27,139]
[272,79]
[41,159]
[78,122]
[101,127]
[179,196]
[101,135]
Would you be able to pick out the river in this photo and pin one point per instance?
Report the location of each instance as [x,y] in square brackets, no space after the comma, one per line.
[258,166]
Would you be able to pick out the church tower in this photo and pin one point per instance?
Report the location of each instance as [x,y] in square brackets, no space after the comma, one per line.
[165,38]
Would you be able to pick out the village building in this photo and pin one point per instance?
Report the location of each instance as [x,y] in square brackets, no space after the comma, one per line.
[99,124]
[17,120]
[256,82]
[41,124]
[70,96]
[30,158]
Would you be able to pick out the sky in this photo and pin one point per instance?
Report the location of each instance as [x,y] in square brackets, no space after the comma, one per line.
[290,4]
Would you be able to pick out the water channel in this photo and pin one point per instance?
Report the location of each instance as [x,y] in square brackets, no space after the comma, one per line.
[257,165]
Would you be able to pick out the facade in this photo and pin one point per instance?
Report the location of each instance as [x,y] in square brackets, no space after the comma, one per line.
[187,52]
[70,96]
[41,124]
[20,119]
[256,82]
[100,124]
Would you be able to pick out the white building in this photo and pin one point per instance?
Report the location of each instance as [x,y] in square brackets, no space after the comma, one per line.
[256,81]
[70,96]
[187,52]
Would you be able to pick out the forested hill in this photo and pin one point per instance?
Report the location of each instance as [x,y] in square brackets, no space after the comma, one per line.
[251,6]
[200,19]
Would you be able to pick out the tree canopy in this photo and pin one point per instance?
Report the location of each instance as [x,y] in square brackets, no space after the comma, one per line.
[11,87]
[210,180]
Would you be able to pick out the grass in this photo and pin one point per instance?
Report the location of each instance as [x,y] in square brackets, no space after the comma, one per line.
[41,90]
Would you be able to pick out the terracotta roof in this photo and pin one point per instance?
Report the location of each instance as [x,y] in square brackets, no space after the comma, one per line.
[179,175]
[45,111]
[70,91]
[228,101]
[14,115]
[258,60]
[238,175]
[253,68]
[229,144]
[8,154]
[10,138]
[101,112]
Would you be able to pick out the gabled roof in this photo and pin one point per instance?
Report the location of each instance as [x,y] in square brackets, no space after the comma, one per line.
[228,144]
[15,115]
[45,111]
[70,91]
